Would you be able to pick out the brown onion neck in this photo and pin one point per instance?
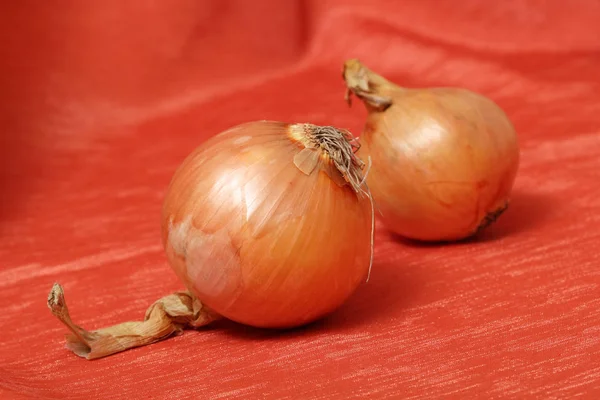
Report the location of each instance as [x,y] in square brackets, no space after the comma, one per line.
[166,317]
[340,147]
[373,89]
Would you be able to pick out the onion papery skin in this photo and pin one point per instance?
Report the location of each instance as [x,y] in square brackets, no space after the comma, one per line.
[256,239]
[444,160]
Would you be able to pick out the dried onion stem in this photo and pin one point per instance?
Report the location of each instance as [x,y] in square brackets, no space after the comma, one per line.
[166,317]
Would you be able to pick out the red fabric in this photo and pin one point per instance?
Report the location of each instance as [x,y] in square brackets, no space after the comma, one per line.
[101,100]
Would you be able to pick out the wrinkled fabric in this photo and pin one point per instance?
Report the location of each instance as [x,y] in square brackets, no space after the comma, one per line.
[100,102]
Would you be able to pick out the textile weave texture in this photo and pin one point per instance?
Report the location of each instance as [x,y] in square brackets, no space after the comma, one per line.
[100,101]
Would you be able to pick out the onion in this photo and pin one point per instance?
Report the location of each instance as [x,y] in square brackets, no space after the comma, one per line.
[262,227]
[444,160]
[268,224]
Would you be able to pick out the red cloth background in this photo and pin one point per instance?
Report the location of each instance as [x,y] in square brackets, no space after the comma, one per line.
[101,100]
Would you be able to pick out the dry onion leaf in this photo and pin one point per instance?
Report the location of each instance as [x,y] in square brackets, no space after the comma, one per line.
[168,316]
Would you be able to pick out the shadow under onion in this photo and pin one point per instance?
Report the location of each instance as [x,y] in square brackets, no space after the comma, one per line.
[527,210]
[391,289]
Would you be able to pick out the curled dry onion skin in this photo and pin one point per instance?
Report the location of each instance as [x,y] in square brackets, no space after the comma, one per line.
[166,317]
[268,224]
[444,160]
